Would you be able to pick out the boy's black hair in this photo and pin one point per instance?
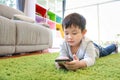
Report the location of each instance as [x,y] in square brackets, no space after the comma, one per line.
[74,19]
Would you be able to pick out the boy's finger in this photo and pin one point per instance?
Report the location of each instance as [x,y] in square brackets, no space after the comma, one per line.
[75,57]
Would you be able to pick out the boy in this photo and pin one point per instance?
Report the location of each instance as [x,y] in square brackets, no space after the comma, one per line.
[79,49]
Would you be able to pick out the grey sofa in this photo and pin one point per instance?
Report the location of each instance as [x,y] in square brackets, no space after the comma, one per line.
[17,36]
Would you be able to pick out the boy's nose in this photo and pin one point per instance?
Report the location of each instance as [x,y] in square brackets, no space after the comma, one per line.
[69,36]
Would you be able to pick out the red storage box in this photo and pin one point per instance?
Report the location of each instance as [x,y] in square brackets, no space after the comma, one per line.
[40,10]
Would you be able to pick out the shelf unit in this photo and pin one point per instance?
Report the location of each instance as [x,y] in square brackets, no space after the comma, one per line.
[45,16]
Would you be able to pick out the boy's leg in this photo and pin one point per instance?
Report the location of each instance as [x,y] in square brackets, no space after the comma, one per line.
[106,51]
[111,48]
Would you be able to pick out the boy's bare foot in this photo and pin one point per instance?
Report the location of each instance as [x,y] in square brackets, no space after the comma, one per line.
[116,51]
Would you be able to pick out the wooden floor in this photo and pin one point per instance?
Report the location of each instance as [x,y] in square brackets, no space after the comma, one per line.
[30,53]
[24,54]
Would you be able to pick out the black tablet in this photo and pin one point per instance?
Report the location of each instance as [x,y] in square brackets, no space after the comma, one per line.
[62,60]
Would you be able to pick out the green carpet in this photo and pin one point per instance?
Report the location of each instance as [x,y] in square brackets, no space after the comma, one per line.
[41,67]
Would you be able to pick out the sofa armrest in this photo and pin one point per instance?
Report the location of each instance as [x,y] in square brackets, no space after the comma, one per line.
[23,18]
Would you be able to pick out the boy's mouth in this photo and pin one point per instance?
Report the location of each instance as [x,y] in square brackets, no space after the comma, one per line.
[70,42]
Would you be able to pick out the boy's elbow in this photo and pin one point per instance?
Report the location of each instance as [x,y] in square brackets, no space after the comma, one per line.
[90,62]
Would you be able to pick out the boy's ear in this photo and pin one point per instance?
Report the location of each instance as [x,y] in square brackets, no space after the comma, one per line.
[84,31]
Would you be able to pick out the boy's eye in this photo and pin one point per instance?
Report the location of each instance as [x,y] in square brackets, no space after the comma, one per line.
[66,33]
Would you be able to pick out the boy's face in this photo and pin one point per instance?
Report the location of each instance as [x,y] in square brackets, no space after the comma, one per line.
[73,35]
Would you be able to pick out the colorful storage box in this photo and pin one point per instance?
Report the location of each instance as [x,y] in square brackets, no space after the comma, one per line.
[51,16]
[58,19]
[40,10]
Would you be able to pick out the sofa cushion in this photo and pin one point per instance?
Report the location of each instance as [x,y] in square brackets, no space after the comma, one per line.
[7,32]
[23,18]
[33,34]
[8,12]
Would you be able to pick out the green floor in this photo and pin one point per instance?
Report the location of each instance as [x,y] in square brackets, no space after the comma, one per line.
[41,67]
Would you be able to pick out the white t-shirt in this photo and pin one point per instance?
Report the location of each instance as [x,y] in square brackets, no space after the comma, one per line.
[86,51]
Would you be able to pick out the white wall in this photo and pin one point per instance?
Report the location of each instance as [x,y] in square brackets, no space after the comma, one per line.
[30,8]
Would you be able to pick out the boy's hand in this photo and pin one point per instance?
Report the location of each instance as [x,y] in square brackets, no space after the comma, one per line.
[59,62]
[73,65]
